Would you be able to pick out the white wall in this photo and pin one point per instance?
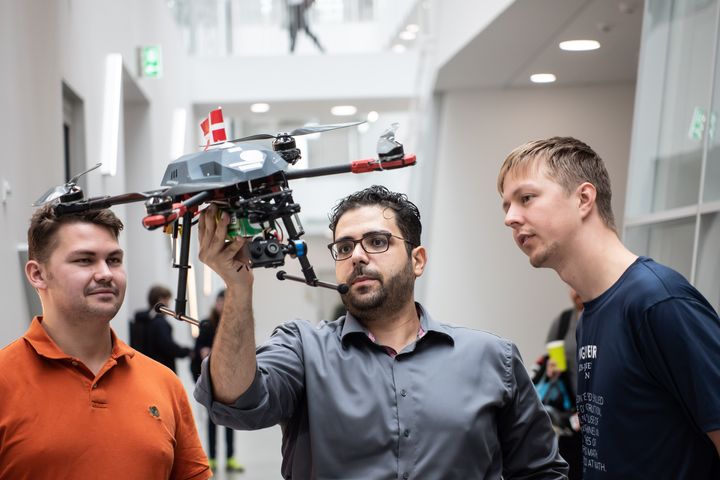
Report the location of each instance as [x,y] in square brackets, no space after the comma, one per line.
[43,44]
[30,132]
[476,275]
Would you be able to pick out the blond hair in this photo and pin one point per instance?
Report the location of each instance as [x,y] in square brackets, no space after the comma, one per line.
[567,161]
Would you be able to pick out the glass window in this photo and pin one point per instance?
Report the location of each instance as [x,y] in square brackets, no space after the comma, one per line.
[685,100]
[669,243]
[711,191]
[707,275]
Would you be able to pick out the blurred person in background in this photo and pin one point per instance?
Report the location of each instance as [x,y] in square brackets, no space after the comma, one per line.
[152,333]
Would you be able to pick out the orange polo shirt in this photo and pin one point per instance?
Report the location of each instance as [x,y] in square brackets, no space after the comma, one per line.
[58,420]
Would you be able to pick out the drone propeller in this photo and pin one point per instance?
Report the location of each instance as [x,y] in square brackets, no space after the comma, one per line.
[310,129]
[70,188]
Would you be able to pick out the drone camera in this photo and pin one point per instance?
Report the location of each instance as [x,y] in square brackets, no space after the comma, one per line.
[266,253]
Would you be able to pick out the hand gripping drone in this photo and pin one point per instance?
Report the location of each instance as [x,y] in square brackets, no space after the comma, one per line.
[248,181]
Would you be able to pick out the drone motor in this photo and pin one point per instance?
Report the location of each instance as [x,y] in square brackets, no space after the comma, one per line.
[285,145]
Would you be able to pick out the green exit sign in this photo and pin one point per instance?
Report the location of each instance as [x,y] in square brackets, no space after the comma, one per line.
[151,61]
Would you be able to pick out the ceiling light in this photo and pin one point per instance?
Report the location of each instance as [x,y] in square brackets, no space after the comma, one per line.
[399,48]
[543,78]
[407,35]
[413,27]
[372,116]
[343,110]
[579,45]
[259,107]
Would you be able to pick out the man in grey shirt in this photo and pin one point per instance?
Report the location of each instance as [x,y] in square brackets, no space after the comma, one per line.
[385,391]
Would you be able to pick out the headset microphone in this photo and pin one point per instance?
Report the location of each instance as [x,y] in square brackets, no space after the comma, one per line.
[342,288]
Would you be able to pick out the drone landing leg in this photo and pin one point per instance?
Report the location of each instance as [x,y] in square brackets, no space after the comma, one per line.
[184,264]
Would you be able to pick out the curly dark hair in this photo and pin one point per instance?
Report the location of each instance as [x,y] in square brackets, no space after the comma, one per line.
[407,214]
[44,224]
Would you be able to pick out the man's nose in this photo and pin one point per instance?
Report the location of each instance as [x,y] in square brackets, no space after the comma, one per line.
[359,254]
[512,217]
[103,272]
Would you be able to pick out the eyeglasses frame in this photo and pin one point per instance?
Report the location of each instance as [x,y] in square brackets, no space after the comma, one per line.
[355,243]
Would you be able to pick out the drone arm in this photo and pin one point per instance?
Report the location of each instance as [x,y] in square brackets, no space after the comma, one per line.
[356,166]
[318,172]
[374,164]
[99,203]
[152,222]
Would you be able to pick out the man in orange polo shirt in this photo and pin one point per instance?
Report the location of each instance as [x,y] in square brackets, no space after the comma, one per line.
[75,400]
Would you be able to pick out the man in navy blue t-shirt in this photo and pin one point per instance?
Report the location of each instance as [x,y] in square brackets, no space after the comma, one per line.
[648,342]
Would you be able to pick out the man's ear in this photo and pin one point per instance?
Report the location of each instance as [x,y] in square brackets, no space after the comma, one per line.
[36,274]
[419,259]
[586,194]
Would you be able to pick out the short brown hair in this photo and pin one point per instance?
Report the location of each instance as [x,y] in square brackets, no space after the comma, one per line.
[157,293]
[45,223]
[570,163]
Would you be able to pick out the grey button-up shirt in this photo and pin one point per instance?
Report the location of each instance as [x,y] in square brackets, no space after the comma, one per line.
[455,404]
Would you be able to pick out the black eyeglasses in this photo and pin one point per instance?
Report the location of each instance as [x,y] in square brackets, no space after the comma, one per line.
[373,242]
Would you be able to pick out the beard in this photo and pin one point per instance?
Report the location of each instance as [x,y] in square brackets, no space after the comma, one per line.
[542,257]
[390,296]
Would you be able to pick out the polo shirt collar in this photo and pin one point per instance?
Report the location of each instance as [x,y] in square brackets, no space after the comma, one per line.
[353,326]
[43,345]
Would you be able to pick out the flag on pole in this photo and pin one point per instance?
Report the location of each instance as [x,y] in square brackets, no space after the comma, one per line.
[213,127]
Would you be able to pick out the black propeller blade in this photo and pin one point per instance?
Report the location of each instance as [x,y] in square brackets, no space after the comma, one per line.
[62,190]
[310,129]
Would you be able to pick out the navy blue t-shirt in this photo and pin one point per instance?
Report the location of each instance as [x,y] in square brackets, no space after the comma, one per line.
[649,379]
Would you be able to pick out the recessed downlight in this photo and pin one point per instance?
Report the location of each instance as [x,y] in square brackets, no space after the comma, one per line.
[542,78]
[343,110]
[413,27]
[260,107]
[407,35]
[372,116]
[579,45]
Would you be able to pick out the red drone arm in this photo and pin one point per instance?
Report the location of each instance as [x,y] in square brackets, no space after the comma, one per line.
[373,164]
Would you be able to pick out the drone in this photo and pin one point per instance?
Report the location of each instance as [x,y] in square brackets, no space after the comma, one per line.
[248,181]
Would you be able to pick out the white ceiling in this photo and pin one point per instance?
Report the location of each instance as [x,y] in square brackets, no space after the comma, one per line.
[524,40]
[310,110]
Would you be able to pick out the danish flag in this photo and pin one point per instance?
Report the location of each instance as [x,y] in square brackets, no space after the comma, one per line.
[213,127]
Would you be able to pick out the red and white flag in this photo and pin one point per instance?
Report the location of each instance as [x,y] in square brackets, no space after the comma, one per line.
[213,127]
